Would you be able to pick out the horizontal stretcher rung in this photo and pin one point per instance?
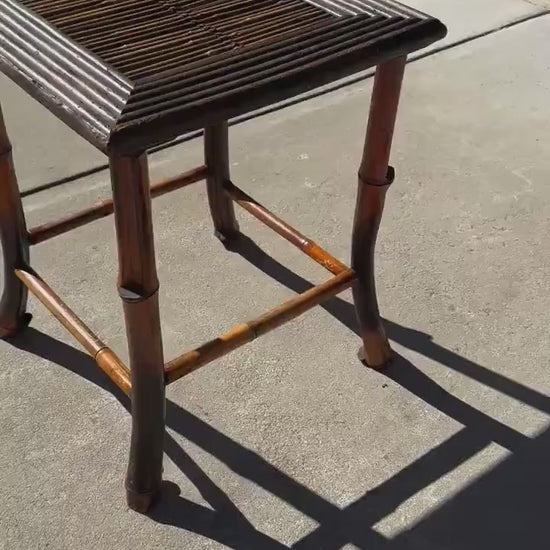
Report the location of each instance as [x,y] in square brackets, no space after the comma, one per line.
[285,230]
[105,207]
[105,358]
[246,332]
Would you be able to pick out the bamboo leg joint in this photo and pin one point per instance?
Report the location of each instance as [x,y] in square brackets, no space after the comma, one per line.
[390,178]
[136,295]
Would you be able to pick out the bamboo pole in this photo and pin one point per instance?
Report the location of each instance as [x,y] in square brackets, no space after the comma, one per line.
[216,157]
[306,245]
[246,332]
[105,207]
[138,288]
[104,356]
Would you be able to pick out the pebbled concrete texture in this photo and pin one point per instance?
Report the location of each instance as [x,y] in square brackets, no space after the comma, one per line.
[290,442]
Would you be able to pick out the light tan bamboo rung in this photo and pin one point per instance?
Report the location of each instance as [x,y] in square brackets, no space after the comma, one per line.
[104,356]
[105,207]
[246,332]
[306,245]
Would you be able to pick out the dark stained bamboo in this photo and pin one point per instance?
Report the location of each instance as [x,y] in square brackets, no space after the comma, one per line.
[15,247]
[246,332]
[285,230]
[138,288]
[373,184]
[104,357]
[53,303]
[105,207]
[216,154]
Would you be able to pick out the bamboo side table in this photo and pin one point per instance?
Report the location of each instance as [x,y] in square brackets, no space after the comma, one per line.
[130,75]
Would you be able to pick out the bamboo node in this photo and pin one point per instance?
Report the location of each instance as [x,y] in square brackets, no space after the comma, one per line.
[390,178]
[136,295]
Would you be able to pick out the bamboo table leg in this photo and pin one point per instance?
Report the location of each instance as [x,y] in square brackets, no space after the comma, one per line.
[216,153]
[13,236]
[138,287]
[374,180]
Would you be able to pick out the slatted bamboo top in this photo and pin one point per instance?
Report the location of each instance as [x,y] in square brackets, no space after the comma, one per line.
[128,74]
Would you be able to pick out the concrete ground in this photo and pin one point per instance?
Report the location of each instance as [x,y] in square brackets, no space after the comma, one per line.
[290,442]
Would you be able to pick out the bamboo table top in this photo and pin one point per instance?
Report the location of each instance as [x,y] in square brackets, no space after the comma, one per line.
[129,74]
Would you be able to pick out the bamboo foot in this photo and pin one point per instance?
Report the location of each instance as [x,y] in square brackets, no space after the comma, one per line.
[228,239]
[376,353]
[22,323]
[141,502]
